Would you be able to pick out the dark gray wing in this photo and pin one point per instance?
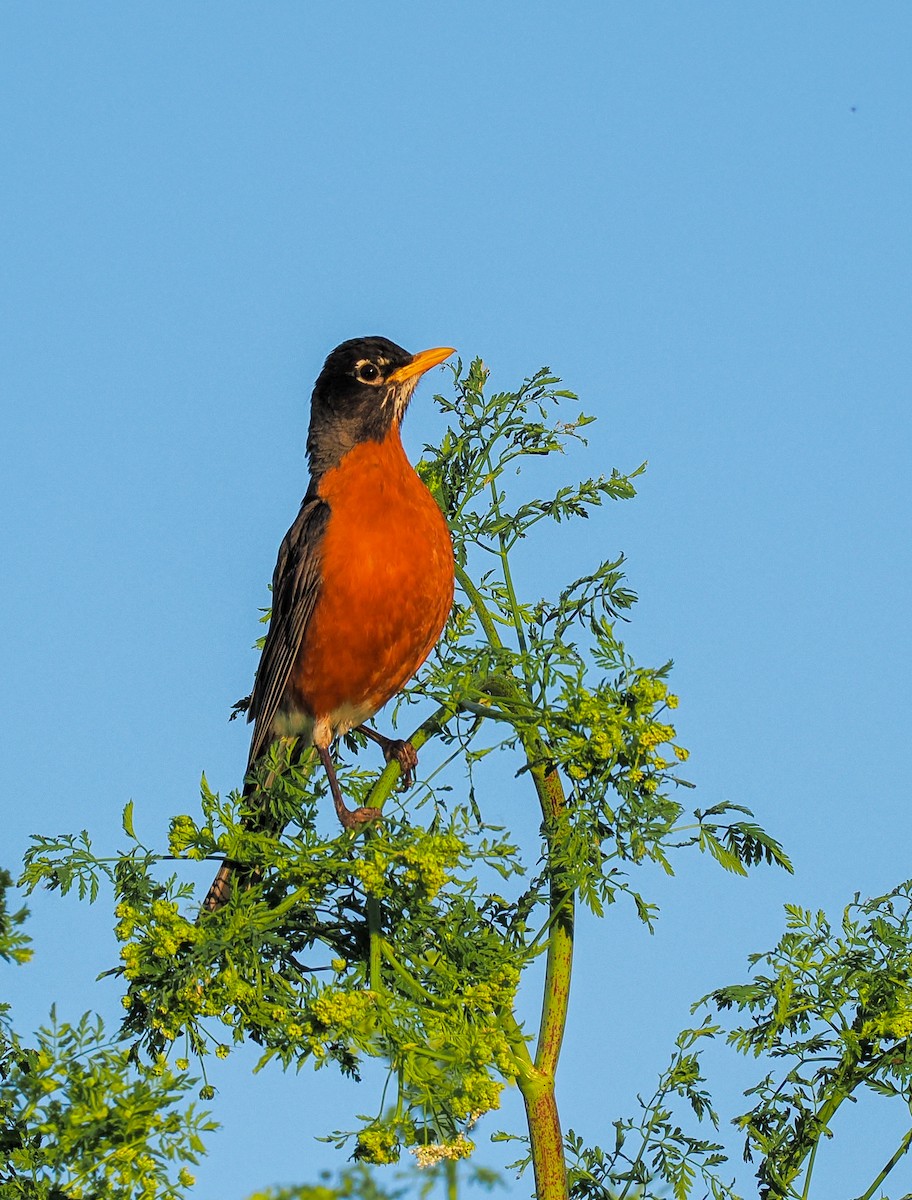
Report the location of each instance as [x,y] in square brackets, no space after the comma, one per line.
[295,586]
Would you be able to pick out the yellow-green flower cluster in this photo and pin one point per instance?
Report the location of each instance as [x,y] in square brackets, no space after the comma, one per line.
[429,860]
[595,737]
[493,993]
[371,870]
[166,931]
[377,1146]
[423,864]
[896,1021]
[163,931]
[893,1025]
[607,730]
[479,1093]
[181,836]
[165,985]
[344,1012]
[480,1057]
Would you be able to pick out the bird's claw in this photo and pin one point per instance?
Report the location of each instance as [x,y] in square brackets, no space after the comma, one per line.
[405,754]
[354,819]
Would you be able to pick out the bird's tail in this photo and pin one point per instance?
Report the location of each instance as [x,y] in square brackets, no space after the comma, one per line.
[220,888]
[233,874]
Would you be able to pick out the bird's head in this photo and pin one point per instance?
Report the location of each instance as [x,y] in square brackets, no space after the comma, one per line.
[361,394]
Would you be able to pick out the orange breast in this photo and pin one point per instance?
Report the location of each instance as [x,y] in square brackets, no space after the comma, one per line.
[387,567]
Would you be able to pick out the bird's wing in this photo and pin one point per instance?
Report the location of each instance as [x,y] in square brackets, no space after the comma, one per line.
[295,585]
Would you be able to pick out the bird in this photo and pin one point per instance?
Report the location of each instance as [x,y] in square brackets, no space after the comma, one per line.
[363,584]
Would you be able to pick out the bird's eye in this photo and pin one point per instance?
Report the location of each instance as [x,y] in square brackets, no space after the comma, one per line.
[368,372]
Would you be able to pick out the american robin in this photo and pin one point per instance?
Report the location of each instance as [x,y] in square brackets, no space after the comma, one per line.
[364,579]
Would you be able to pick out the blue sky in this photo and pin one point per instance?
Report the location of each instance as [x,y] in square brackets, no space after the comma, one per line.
[697,214]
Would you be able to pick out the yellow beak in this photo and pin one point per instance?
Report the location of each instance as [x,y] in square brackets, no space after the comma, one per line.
[420,363]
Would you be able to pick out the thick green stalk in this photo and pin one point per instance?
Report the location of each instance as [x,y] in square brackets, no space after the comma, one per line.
[546,1142]
[538,1088]
[536,1080]
[545,1138]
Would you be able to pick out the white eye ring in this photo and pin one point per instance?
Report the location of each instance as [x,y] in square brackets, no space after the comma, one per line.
[368,372]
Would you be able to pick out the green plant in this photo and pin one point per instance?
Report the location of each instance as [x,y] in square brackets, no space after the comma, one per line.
[361,1183]
[80,1117]
[407,943]
[831,1006]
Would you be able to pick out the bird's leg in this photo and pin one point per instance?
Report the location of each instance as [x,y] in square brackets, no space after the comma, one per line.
[395,748]
[349,818]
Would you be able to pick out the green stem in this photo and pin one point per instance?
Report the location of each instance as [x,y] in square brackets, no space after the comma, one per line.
[543,931]
[389,776]
[409,980]
[644,1143]
[387,780]
[485,710]
[846,1078]
[545,1138]
[517,1040]
[505,563]
[537,1084]
[481,609]
[514,603]
[810,1171]
[374,930]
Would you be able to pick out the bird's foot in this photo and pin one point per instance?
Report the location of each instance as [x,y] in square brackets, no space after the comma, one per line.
[355,819]
[404,753]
